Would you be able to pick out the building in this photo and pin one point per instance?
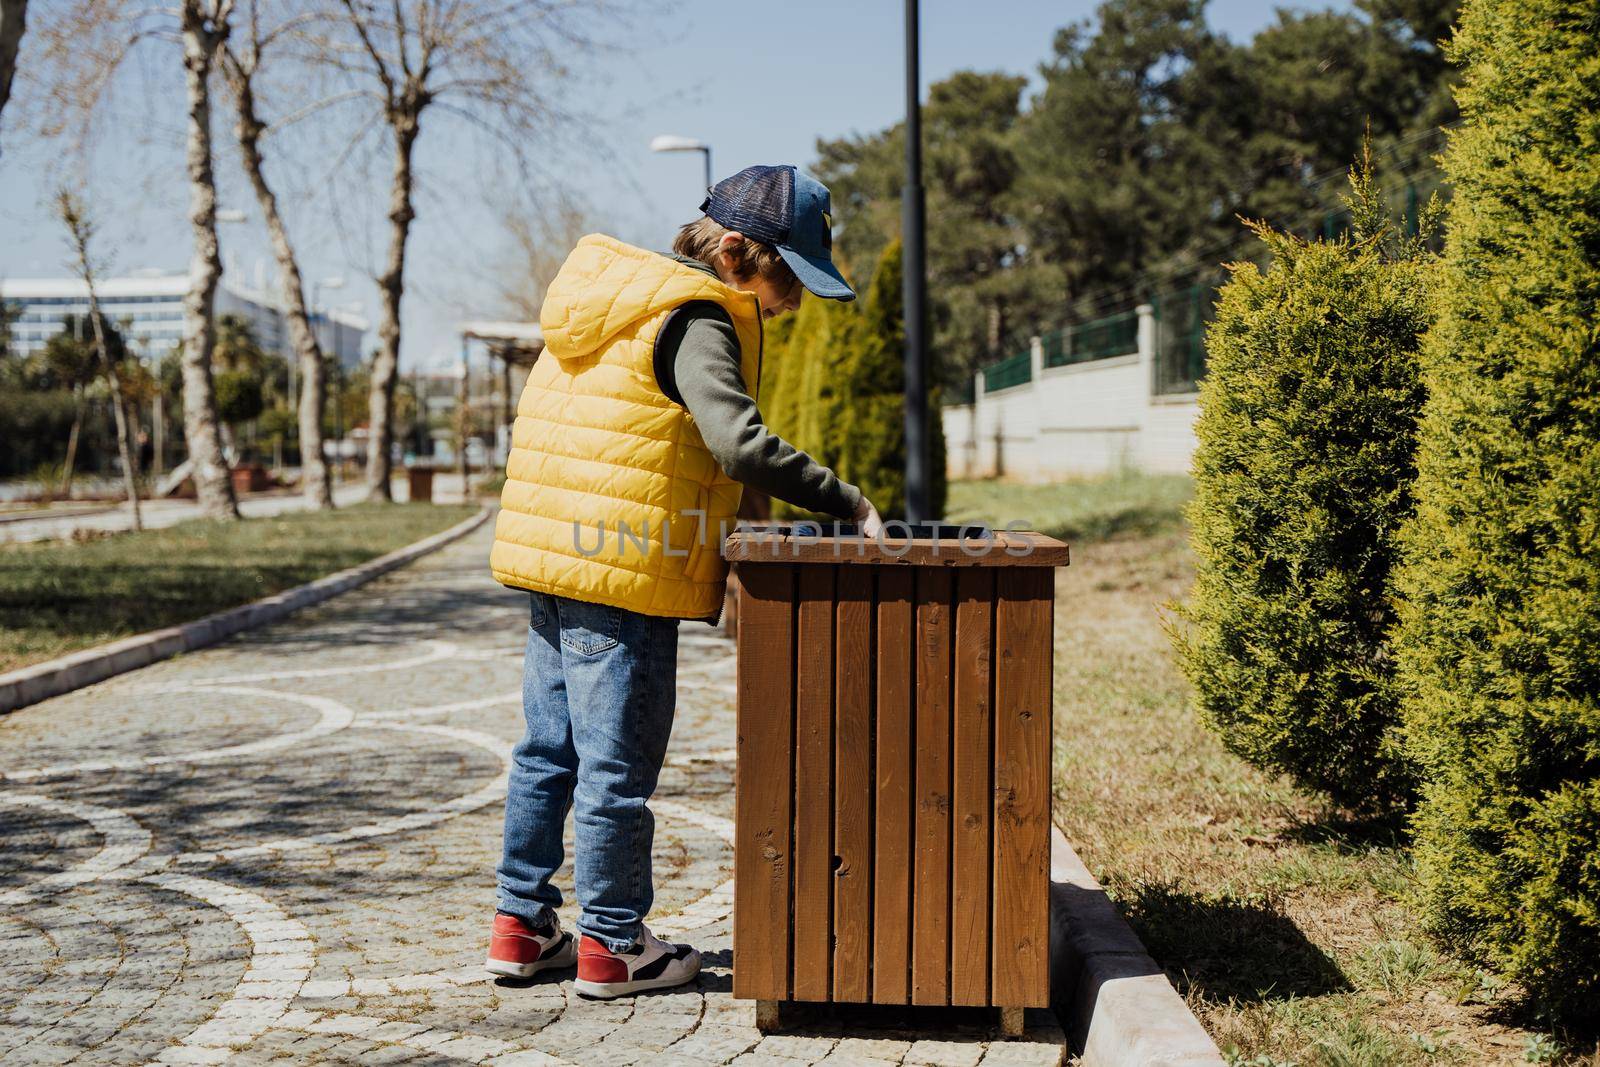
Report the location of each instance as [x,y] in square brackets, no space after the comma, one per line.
[150,307]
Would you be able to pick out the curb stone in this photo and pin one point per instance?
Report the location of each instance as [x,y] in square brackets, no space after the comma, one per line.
[41,681]
[1115,1002]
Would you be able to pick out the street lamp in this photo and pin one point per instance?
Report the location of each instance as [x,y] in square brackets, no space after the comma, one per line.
[915,290]
[672,143]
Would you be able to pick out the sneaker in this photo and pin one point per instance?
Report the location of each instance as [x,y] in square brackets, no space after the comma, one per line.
[517,950]
[649,963]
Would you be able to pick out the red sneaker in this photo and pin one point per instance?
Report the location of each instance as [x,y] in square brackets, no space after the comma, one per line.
[517,950]
[649,963]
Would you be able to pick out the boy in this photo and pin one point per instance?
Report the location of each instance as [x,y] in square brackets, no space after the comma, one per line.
[640,418]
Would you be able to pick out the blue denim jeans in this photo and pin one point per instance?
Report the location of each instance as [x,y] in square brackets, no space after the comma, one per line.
[599,687]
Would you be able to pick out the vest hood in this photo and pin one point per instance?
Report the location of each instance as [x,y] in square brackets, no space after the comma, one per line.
[606,286]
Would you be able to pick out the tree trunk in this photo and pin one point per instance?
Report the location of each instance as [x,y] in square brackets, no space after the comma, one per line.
[13,21]
[464,424]
[72,443]
[314,478]
[119,412]
[212,484]
[386,363]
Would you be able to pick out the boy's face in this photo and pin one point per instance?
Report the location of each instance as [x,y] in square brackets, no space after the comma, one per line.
[775,300]
[776,296]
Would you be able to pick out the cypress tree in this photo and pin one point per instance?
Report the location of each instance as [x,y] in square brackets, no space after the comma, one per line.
[807,406]
[1303,475]
[874,431]
[1499,642]
[838,391]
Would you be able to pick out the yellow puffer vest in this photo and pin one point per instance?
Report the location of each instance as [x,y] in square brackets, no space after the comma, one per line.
[606,473]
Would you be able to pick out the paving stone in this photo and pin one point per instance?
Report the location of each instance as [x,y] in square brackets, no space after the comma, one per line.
[1024,1054]
[879,1048]
[945,1053]
[794,1047]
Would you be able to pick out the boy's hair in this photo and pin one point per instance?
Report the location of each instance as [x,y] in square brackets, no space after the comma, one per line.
[701,239]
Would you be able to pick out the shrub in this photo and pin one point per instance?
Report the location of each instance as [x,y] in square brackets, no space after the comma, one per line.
[1499,641]
[1303,475]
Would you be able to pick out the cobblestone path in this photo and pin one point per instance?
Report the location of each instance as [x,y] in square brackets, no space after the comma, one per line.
[282,850]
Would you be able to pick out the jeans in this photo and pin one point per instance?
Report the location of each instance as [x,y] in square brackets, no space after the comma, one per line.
[599,688]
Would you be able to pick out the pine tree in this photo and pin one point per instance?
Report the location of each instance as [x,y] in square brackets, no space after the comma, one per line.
[1303,476]
[1499,642]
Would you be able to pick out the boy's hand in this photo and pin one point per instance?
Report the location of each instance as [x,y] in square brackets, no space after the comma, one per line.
[866,516]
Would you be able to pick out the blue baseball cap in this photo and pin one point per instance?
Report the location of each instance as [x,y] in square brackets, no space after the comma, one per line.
[784,207]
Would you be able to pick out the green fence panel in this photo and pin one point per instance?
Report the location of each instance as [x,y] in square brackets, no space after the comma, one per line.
[1181,320]
[1057,349]
[1018,370]
[1114,335]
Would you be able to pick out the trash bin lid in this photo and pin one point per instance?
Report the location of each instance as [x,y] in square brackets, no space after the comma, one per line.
[915,544]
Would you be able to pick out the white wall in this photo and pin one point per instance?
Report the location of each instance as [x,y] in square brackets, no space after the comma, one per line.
[1083,418]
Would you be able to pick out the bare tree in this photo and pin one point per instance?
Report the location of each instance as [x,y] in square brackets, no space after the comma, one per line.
[536,240]
[493,63]
[86,44]
[240,66]
[204,25]
[80,231]
[13,21]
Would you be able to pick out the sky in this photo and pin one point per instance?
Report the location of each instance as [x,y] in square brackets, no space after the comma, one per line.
[759,82]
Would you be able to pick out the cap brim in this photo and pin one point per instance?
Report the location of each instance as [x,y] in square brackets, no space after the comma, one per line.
[818,275]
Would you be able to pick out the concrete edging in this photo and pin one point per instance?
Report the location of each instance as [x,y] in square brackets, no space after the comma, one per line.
[41,681]
[1113,1000]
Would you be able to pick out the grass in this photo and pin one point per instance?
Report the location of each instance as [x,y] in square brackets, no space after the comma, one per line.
[1283,923]
[60,597]
[1127,502]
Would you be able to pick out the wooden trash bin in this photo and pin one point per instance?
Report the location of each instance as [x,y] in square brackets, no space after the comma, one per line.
[893,798]
[419,485]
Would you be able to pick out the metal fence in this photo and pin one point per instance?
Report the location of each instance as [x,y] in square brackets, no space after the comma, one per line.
[1182,316]
[1017,370]
[1114,335]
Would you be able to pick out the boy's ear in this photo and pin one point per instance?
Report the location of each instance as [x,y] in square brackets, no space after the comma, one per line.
[728,244]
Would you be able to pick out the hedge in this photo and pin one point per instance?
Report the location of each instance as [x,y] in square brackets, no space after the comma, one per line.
[1303,473]
[1499,642]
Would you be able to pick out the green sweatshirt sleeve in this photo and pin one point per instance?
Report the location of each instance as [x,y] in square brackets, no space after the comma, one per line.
[706,369]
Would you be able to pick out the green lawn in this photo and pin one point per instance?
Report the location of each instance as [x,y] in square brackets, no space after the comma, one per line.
[1124,503]
[59,597]
[1282,922]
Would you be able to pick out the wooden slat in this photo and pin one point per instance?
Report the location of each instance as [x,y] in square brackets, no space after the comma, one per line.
[813,786]
[971,859]
[1023,623]
[761,854]
[1004,549]
[930,943]
[852,789]
[891,878]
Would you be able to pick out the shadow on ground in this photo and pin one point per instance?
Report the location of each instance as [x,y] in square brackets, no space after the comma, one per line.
[1244,950]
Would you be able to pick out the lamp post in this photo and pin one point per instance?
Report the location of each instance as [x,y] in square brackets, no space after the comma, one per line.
[672,143]
[915,290]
